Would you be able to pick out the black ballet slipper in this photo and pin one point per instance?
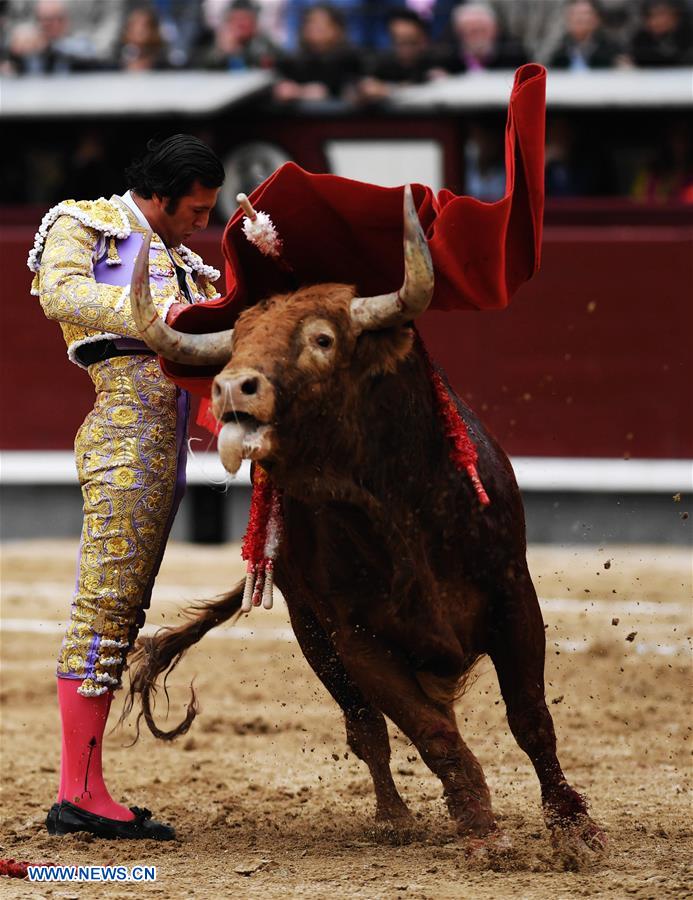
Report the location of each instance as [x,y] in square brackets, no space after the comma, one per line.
[65,818]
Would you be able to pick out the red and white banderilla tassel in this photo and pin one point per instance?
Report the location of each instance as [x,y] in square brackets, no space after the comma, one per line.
[261,543]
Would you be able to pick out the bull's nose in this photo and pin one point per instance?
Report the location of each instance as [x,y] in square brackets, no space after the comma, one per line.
[245,390]
[217,391]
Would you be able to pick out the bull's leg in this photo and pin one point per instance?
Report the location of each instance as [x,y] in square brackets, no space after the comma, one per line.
[392,686]
[517,651]
[366,730]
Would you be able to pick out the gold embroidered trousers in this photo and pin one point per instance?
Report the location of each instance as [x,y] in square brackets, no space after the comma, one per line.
[130,453]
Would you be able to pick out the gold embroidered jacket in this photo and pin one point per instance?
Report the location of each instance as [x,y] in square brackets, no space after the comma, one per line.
[83,257]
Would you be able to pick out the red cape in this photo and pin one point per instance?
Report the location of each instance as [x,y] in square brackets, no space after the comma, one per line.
[338,230]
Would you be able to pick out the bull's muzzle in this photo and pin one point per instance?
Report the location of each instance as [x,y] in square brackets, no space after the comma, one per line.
[243,399]
[245,391]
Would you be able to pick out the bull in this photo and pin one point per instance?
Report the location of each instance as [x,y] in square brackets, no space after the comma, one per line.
[396,579]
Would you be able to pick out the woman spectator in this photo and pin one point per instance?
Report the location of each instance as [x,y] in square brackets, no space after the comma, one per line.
[665,37]
[356,19]
[143,47]
[326,66]
[586,44]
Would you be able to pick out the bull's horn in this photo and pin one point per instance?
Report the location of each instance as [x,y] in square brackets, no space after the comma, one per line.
[412,299]
[190,349]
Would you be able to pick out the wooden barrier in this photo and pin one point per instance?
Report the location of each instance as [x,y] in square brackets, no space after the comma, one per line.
[591,359]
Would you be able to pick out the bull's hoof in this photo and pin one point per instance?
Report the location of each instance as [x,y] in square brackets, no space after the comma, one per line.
[490,846]
[572,830]
[476,823]
[581,836]
[395,826]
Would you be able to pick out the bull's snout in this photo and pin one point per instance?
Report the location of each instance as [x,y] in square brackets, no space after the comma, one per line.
[243,391]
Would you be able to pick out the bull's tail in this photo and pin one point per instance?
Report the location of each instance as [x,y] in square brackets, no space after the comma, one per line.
[162,653]
[446,689]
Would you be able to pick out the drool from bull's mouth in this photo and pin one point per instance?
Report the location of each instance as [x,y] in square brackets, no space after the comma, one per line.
[242,437]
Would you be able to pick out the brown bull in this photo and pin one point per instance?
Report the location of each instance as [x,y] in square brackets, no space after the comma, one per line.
[395,577]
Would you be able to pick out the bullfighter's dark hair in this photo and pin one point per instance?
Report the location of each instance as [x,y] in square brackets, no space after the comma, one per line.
[170,167]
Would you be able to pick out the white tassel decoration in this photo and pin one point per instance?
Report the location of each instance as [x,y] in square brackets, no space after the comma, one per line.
[247,602]
[267,596]
[259,580]
[259,229]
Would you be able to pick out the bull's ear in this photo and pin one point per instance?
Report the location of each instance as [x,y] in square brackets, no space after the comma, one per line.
[381,352]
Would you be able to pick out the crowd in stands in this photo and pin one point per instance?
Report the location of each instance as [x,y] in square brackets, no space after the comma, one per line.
[359,51]
[345,49]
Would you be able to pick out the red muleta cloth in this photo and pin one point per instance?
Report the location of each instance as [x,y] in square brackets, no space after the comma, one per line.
[338,230]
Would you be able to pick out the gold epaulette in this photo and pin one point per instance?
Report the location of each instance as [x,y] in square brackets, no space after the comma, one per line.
[101,215]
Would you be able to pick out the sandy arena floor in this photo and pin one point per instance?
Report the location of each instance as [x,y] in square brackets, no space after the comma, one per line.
[269,805]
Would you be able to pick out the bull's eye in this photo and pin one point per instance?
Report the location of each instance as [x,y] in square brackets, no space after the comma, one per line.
[324,340]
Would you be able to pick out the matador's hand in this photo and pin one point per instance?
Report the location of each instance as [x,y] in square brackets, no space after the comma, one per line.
[174,310]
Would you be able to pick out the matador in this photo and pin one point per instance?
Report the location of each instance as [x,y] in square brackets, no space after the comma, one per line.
[131,448]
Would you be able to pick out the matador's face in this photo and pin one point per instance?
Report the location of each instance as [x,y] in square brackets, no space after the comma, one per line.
[177,220]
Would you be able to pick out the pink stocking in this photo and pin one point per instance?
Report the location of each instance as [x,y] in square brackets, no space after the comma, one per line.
[81,776]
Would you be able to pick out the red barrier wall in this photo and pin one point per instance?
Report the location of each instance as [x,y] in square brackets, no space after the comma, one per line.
[593,358]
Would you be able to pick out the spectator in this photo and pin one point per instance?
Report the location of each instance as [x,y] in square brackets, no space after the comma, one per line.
[239,44]
[94,23]
[271,18]
[371,20]
[411,60]
[479,43]
[46,46]
[435,13]
[668,175]
[143,47]
[366,21]
[538,26]
[484,166]
[585,45]
[326,66]
[357,17]
[665,37]
[181,26]
[620,19]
